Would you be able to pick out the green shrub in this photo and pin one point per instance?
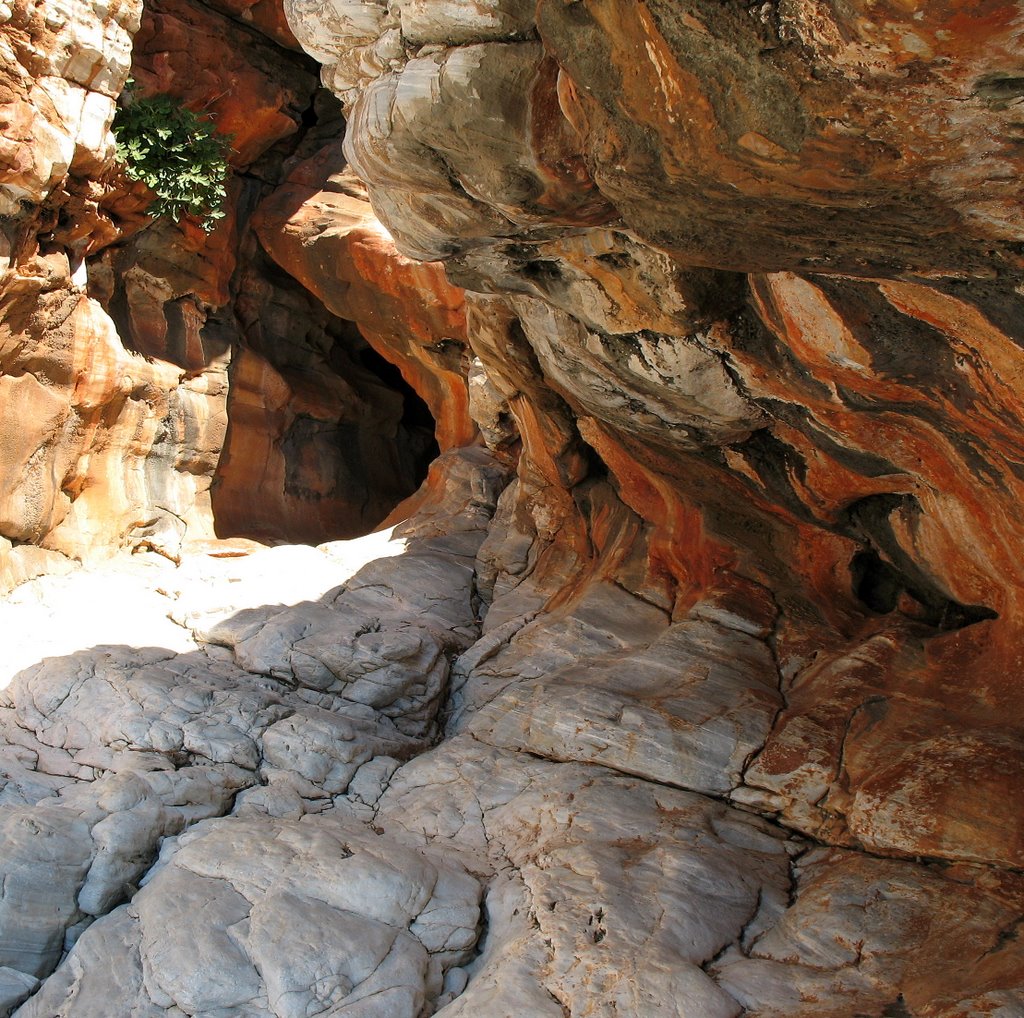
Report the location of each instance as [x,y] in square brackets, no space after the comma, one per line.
[176,154]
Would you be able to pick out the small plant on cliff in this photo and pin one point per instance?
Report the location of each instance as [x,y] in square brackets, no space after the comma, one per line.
[176,154]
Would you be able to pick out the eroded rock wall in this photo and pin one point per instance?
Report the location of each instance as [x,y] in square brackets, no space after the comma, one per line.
[596,174]
[107,437]
[698,692]
[747,280]
[118,331]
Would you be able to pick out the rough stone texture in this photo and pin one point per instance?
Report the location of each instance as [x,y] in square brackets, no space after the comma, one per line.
[300,917]
[64,375]
[323,439]
[772,137]
[343,417]
[100,445]
[745,281]
[613,892]
[687,709]
[110,750]
[843,443]
[266,16]
[116,332]
[477,878]
[64,65]
[248,86]
[798,135]
[866,935]
[697,694]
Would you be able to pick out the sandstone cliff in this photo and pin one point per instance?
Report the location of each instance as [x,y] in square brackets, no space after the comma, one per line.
[121,337]
[690,683]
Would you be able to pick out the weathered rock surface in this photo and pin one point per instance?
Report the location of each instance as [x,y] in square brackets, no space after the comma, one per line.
[112,749]
[116,333]
[745,284]
[266,16]
[95,441]
[825,437]
[698,693]
[100,445]
[538,863]
[323,440]
[64,66]
[343,417]
[299,917]
[252,90]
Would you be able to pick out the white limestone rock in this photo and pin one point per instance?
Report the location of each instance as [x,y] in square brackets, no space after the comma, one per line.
[110,752]
[489,409]
[864,935]
[355,40]
[282,918]
[605,622]
[670,389]
[686,710]
[15,986]
[472,104]
[628,887]
[319,751]
[80,854]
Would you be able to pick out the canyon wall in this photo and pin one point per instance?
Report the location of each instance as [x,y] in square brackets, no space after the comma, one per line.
[156,377]
[692,683]
[748,281]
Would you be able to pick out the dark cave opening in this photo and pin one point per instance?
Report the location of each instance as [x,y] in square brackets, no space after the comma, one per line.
[417,422]
[325,436]
[884,589]
[875,583]
[885,578]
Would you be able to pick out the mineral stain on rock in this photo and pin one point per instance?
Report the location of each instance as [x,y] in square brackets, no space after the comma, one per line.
[642,382]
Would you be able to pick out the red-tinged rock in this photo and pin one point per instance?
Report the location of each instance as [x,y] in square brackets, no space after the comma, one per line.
[322,231]
[511,159]
[163,284]
[313,481]
[861,138]
[99,444]
[266,16]
[322,443]
[763,539]
[63,68]
[247,86]
[862,933]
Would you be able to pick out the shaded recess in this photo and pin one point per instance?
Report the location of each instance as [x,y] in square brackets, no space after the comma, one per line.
[417,428]
[901,583]
[324,436]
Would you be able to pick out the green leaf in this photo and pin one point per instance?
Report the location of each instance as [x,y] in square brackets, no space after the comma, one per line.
[179,156]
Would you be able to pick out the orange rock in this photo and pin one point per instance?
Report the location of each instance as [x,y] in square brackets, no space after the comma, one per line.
[250,89]
[867,138]
[321,230]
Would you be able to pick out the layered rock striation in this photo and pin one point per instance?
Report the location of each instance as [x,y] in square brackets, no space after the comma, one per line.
[154,375]
[694,688]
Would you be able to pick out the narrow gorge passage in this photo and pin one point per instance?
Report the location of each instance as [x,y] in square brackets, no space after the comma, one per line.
[551,548]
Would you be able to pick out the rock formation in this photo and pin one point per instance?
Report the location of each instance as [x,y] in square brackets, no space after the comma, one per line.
[688,683]
[120,337]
